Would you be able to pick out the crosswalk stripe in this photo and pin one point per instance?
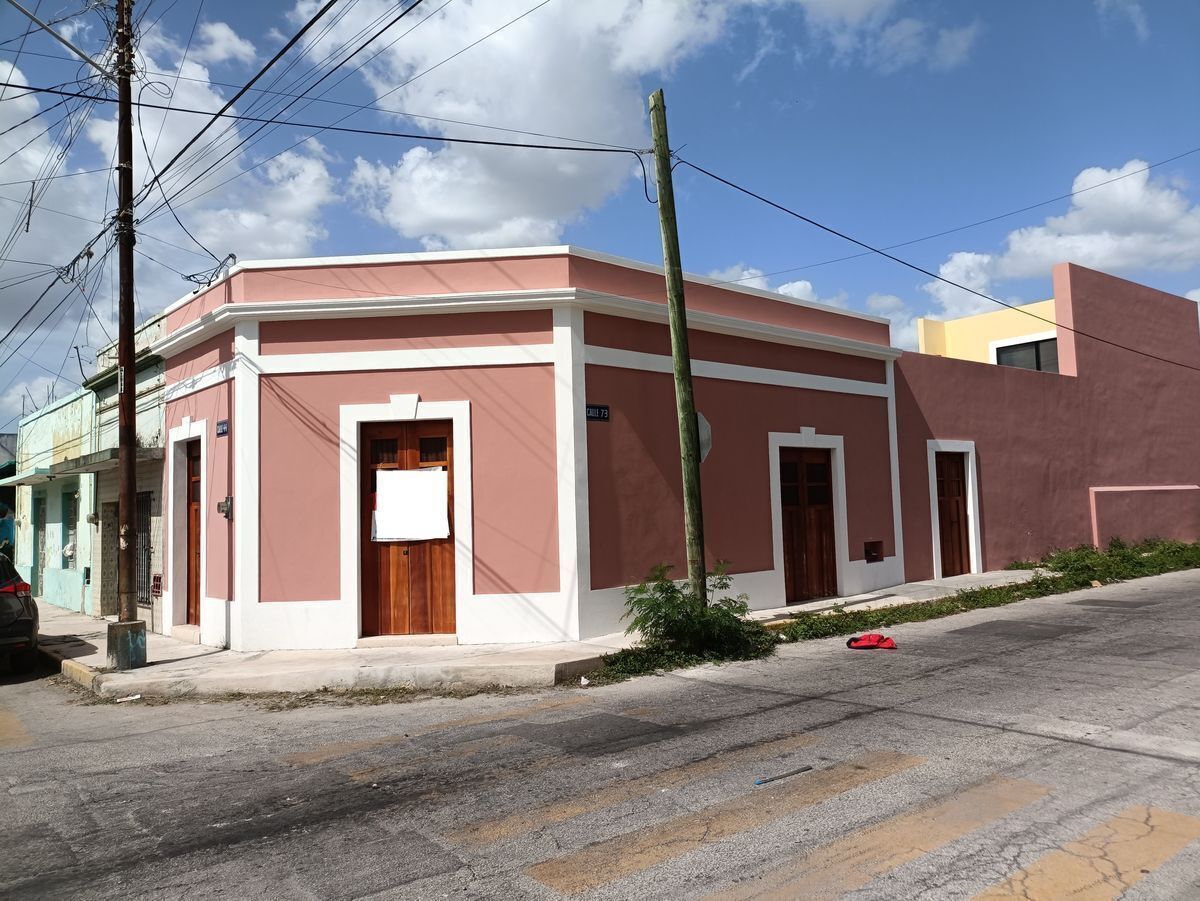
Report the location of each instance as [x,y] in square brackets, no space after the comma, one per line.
[325,753]
[490,831]
[851,862]
[12,732]
[1106,861]
[636,851]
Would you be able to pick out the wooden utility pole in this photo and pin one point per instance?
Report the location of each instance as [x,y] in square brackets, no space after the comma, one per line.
[127,638]
[685,404]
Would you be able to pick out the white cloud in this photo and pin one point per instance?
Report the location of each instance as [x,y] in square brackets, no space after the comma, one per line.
[953,46]
[593,58]
[1193,295]
[1127,9]
[1136,223]
[219,43]
[909,42]
[901,44]
[971,270]
[804,290]
[901,316]
[275,210]
[768,44]
[741,274]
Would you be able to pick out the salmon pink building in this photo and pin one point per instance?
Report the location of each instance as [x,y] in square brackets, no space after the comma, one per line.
[481,446]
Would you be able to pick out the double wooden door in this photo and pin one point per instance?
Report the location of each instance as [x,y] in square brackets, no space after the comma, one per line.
[193,533]
[407,586]
[952,513]
[809,545]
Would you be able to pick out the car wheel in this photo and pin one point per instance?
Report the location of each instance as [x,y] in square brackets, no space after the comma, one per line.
[24,661]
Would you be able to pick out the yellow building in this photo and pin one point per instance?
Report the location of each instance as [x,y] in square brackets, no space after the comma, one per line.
[1010,337]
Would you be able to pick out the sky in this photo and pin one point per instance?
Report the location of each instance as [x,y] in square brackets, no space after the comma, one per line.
[889,120]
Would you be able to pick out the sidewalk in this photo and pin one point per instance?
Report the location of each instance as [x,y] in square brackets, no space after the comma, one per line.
[78,644]
[176,669]
[908,593]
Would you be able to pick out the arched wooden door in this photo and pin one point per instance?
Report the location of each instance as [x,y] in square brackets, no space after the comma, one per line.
[407,586]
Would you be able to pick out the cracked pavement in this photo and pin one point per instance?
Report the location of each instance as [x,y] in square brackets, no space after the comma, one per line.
[994,762]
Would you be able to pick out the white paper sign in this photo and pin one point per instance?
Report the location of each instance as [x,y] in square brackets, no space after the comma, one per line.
[410,505]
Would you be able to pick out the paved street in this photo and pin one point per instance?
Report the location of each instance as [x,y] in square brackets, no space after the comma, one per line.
[1045,750]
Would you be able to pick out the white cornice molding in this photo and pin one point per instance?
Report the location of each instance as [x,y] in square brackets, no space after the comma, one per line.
[732,372]
[228,315]
[650,311]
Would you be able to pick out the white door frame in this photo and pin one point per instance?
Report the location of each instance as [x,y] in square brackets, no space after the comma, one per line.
[935,446]
[807,437]
[176,549]
[405,408]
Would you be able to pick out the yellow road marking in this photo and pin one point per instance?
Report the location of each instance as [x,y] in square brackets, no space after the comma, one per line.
[325,753]
[12,733]
[851,862]
[1104,863]
[489,831]
[636,851]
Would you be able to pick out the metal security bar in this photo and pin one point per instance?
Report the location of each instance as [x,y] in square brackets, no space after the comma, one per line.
[145,501]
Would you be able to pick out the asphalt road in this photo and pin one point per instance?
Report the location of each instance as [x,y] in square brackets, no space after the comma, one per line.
[1045,750]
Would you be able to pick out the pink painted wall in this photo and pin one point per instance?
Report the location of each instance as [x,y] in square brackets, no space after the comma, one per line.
[211,352]
[515,476]
[1162,514]
[211,404]
[652,338]
[1042,439]
[405,332]
[361,280]
[635,492]
[640,285]
[401,279]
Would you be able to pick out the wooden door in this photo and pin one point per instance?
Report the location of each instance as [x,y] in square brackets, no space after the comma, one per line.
[809,545]
[193,533]
[952,513]
[407,586]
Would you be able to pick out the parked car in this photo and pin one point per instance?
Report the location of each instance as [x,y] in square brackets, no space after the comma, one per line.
[18,619]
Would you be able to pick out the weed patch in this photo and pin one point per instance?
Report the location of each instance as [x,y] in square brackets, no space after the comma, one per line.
[678,629]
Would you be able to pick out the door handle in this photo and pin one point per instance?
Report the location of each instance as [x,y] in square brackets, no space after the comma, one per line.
[406,552]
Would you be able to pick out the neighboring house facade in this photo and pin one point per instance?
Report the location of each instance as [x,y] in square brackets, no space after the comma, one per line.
[66,483]
[1023,336]
[482,445]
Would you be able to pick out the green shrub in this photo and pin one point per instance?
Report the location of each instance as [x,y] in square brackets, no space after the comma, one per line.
[671,619]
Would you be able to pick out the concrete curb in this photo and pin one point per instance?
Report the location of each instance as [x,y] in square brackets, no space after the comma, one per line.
[419,677]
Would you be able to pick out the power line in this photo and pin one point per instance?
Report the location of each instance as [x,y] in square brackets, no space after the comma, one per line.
[988,220]
[166,200]
[373,105]
[361,107]
[243,141]
[5,184]
[613,148]
[229,103]
[913,266]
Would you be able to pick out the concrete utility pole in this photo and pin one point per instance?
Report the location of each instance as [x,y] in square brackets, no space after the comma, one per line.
[126,638]
[685,404]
